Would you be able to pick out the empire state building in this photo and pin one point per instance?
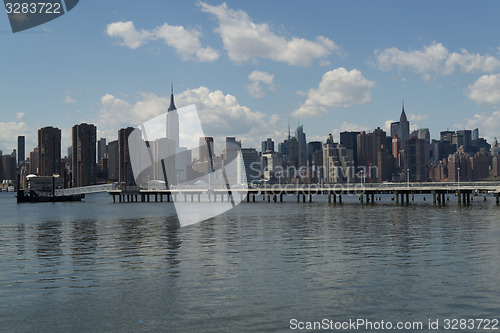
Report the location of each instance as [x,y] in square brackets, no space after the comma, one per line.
[173,121]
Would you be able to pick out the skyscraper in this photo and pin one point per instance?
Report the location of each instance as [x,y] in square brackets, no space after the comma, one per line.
[102,149]
[475,134]
[84,155]
[349,140]
[125,175]
[267,145]
[205,148]
[301,146]
[231,149]
[173,121]
[49,151]
[113,158]
[404,127]
[34,161]
[21,153]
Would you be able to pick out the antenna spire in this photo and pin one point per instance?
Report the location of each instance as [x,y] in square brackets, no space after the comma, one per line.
[288,128]
[172,105]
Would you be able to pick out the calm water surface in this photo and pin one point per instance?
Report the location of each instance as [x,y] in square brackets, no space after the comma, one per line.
[95,266]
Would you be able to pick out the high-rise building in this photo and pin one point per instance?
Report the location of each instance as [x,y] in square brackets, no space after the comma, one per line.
[480,164]
[404,127]
[267,146]
[364,150]
[206,148]
[459,167]
[113,161]
[7,167]
[395,129]
[396,144]
[231,149]
[475,134]
[84,155]
[21,146]
[313,147]
[251,165]
[338,164]
[293,152]
[125,174]
[349,140]
[301,146]
[33,169]
[102,149]
[425,134]
[496,166]
[446,136]
[463,138]
[49,151]
[414,160]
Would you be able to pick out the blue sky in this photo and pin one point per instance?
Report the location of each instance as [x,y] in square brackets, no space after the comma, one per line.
[251,66]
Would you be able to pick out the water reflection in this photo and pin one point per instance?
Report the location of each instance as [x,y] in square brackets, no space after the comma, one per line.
[49,242]
[256,266]
[21,238]
[171,232]
[84,239]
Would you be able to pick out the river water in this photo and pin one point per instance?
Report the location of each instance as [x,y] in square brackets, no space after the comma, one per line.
[95,266]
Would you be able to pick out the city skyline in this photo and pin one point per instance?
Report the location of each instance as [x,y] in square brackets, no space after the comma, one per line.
[330,66]
[259,141]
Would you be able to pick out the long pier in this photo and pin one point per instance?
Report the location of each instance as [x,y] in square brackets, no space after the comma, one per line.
[304,193]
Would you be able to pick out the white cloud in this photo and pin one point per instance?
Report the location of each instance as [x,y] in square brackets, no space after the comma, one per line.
[488,124]
[435,58]
[486,90]
[221,115]
[245,40]
[20,115]
[9,133]
[338,88]
[387,126]
[257,80]
[131,38]
[347,127]
[417,117]
[185,42]
[69,100]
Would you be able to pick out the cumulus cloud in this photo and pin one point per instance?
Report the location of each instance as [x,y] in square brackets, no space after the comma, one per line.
[259,81]
[488,124]
[338,88]
[435,58]
[387,126]
[245,40]
[20,115]
[486,90]
[8,135]
[185,42]
[130,37]
[221,114]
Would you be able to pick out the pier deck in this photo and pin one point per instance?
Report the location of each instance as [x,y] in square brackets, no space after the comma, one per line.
[304,193]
